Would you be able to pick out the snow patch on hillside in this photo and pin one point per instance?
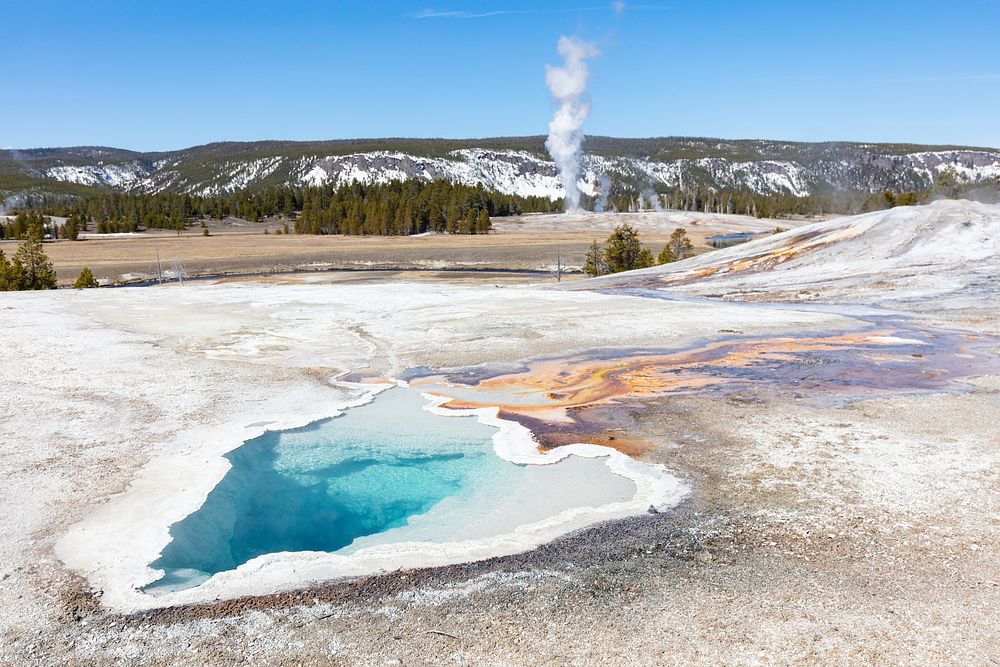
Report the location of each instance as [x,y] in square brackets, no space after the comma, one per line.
[121,175]
[239,175]
[976,166]
[315,177]
[510,172]
[761,177]
[526,174]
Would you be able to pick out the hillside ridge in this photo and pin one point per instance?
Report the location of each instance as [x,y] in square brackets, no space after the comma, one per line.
[512,165]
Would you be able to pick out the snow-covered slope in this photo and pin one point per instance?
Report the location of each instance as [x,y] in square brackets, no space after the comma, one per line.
[913,254]
[522,173]
[510,172]
[760,167]
[123,175]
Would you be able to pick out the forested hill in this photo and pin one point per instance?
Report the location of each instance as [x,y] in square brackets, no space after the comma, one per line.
[509,165]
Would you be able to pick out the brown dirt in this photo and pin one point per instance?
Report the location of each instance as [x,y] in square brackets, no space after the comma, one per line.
[524,243]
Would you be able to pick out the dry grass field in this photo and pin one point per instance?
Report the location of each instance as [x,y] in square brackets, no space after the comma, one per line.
[524,243]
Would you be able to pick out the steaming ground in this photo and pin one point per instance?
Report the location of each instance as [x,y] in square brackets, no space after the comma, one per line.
[861,533]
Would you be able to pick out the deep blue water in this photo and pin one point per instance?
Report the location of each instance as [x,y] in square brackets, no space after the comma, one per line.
[728,240]
[320,487]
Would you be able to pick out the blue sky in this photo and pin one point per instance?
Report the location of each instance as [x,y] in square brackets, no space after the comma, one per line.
[157,74]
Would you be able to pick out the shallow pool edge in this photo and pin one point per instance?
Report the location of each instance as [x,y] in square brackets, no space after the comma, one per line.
[119,567]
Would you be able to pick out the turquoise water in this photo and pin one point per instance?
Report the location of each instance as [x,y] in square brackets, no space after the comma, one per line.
[321,487]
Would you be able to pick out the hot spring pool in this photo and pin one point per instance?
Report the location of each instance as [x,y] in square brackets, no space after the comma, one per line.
[383,473]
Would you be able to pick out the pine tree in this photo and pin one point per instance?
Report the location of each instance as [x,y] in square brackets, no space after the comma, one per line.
[74,224]
[408,227]
[594,264]
[33,268]
[484,224]
[6,274]
[469,223]
[666,256]
[678,247]
[950,183]
[86,280]
[15,278]
[451,221]
[624,252]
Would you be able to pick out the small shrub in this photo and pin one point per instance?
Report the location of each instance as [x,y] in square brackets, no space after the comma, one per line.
[86,280]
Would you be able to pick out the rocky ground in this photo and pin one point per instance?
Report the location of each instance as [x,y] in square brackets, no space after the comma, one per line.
[858,534]
[817,531]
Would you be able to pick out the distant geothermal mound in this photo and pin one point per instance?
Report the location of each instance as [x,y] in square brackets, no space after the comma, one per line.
[914,255]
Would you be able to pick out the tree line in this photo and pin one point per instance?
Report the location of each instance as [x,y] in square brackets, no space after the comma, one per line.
[27,224]
[949,183]
[389,209]
[404,207]
[704,199]
[417,206]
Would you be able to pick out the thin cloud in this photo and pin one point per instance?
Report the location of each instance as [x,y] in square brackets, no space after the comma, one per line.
[434,14]
[450,14]
[617,7]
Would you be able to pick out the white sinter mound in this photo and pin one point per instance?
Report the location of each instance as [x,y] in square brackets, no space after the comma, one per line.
[917,255]
[145,389]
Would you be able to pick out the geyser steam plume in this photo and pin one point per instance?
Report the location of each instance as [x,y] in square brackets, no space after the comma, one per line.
[568,85]
[603,190]
[654,199]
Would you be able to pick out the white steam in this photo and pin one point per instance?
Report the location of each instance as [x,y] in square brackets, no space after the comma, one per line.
[603,190]
[568,85]
[12,202]
[653,199]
